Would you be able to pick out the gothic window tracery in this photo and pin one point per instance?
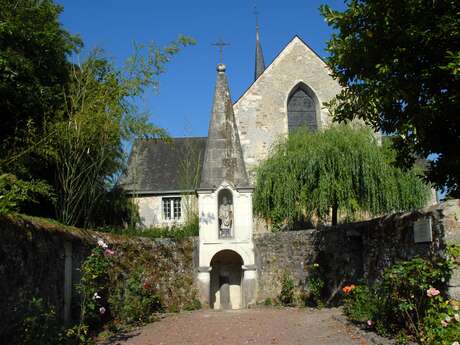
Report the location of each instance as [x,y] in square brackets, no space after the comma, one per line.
[302,109]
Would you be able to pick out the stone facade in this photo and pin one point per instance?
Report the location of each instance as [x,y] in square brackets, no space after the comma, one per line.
[152,214]
[261,112]
[259,119]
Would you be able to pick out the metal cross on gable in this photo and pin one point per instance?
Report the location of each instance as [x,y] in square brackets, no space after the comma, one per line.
[221,44]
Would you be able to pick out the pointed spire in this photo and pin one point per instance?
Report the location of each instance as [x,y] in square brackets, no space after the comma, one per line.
[223,159]
[260,63]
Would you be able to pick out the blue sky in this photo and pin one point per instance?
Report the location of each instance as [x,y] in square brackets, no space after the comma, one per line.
[183,104]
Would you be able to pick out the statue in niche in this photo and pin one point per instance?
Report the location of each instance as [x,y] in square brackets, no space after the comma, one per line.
[225,218]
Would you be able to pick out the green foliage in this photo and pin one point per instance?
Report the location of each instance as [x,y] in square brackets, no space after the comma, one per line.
[14,192]
[101,113]
[268,301]
[315,286]
[115,209]
[34,71]
[78,335]
[120,286]
[135,301]
[193,305]
[341,168]
[398,64]
[409,301]
[189,229]
[287,294]
[67,124]
[40,326]
[406,285]
[441,324]
[93,289]
[361,304]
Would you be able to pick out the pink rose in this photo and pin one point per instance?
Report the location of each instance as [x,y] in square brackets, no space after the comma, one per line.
[370,323]
[102,310]
[109,252]
[431,292]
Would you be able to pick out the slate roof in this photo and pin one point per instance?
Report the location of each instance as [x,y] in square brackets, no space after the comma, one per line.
[156,166]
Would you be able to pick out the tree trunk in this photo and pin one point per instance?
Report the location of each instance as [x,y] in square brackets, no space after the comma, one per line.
[335,208]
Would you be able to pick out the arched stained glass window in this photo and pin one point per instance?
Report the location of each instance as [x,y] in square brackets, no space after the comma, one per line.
[301,109]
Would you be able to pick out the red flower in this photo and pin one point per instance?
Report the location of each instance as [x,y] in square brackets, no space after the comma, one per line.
[348,289]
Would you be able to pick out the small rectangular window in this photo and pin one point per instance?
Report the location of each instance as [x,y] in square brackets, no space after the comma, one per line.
[177,209]
[172,208]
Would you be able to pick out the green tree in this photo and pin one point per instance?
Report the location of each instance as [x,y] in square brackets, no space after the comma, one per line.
[34,71]
[101,115]
[399,64]
[342,169]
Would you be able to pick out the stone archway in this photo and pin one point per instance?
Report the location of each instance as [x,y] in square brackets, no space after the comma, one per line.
[226,279]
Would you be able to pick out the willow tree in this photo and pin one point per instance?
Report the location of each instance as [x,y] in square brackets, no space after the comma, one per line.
[341,169]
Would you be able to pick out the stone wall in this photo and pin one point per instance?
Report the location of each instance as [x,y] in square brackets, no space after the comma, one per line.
[356,252]
[42,259]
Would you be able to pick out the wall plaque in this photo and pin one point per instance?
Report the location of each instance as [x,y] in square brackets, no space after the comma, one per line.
[423,231]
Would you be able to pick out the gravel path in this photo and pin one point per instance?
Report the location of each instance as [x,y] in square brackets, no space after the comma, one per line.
[260,326]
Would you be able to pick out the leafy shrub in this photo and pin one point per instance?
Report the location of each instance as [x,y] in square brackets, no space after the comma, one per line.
[37,324]
[409,301]
[405,286]
[135,302]
[315,286]
[14,192]
[93,287]
[441,324]
[287,293]
[362,303]
[268,301]
[40,325]
[193,305]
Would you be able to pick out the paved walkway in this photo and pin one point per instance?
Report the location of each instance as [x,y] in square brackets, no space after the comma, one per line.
[260,326]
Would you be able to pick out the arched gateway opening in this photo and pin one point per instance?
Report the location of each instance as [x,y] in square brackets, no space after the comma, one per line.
[226,276]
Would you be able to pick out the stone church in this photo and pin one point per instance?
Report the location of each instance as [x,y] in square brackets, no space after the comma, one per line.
[214,176]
